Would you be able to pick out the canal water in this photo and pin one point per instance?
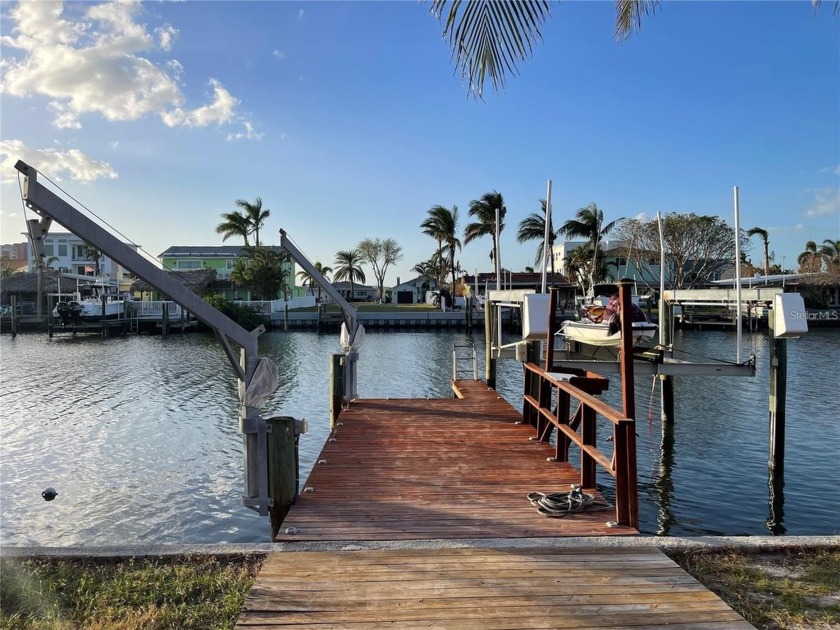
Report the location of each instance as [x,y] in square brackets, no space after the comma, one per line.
[139,434]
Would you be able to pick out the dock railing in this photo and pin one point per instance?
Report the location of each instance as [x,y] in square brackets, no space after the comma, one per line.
[542,388]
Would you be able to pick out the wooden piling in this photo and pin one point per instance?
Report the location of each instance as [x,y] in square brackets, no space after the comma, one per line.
[13,300]
[552,329]
[489,361]
[282,469]
[164,322]
[778,400]
[286,315]
[336,387]
[666,380]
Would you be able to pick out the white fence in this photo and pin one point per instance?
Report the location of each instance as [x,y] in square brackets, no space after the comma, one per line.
[154,310]
[267,307]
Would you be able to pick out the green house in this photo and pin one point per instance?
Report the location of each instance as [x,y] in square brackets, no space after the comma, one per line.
[220,258]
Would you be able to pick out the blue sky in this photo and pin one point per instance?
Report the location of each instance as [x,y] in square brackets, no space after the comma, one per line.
[349,120]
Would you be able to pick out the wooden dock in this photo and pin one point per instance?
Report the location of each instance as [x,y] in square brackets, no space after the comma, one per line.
[430,475]
[444,468]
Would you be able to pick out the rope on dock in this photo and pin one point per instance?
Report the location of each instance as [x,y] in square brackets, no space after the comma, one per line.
[560,504]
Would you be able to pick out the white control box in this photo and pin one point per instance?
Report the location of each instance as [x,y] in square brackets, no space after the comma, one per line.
[791,318]
[535,316]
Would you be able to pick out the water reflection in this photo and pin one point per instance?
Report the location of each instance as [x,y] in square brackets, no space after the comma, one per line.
[664,482]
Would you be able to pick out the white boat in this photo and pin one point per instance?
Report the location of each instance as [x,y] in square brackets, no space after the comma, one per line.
[598,333]
[100,303]
[598,324]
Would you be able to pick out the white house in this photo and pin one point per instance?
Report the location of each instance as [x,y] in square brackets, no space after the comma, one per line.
[412,291]
[67,251]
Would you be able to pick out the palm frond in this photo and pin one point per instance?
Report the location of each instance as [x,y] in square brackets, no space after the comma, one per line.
[488,37]
[629,14]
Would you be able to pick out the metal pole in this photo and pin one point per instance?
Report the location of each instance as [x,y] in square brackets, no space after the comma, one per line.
[737,276]
[547,235]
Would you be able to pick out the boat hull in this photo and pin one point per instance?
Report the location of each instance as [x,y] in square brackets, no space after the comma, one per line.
[597,334]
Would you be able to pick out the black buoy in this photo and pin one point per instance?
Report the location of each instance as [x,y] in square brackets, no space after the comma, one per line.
[49,494]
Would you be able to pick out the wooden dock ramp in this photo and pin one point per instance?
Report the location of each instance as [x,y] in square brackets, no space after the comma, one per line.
[402,482]
[482,589]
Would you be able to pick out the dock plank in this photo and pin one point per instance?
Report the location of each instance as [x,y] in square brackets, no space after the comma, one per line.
[481,588]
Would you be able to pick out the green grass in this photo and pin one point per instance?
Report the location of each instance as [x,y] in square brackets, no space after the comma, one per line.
[787,588]
[201,592]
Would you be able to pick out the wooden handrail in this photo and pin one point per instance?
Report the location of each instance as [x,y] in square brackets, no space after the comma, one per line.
[536,411]
[589,400]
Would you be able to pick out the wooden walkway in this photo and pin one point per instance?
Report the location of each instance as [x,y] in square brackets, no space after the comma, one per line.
[400,470]
[482,589]
[444,468]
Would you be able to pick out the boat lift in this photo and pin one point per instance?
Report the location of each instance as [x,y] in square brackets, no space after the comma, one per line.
[252,425]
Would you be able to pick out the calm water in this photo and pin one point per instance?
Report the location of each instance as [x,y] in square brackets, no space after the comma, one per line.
[139,434]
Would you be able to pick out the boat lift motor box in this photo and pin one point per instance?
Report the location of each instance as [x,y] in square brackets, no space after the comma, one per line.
[790,316]
[535,317]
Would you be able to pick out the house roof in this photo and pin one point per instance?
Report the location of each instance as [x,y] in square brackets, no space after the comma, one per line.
[27,282]
[210,251]
[344,285]
[197,280]
[519,279]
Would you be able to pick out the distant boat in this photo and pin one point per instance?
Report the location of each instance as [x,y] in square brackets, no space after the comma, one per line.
[92,307]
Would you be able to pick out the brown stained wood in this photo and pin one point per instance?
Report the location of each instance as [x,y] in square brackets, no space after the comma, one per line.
[408,469]
[481,588]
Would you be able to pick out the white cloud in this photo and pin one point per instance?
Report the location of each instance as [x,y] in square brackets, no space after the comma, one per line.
[279,54]
[834,170]
[94,66]
[220,111]
[56,164]
[300,14]
[248,134]
[826,202]
[166,35]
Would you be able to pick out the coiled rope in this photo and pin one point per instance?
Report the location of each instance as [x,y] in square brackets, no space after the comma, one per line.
[560,504]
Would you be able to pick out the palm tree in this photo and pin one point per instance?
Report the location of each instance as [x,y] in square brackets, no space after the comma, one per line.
[532,228]
[830,252]
[442,225]
[484,210]
[766,238]
[589,225]
[255,215]
[234,224]
[809,260]
[348,266]
[489,37]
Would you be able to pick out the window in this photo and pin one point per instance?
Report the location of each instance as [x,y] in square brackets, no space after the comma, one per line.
[188,265]
[62,248]
[49,249]
[229,264]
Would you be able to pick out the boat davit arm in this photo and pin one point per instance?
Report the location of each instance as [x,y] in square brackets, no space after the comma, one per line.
[50,208]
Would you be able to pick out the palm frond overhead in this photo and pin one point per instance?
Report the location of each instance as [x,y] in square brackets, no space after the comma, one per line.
[629,14]
[488,37]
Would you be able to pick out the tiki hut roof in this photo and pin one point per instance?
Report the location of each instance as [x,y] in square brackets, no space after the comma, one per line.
[27,282]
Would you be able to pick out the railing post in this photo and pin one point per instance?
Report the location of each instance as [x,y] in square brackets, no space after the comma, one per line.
[626,475]
[282,468]
[562,413]
[587,434]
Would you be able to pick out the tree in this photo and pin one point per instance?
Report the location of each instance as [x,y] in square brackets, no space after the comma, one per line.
[94,255]
[234,224]
[348,266]
[484,211]
[532,228]
[698,248]
[588,224]
[380,254]
[765,237]
[810,260]
[255,216]
[830,253]
[263,271]
[307,279]
[243,225]
[488,37]
[442,225]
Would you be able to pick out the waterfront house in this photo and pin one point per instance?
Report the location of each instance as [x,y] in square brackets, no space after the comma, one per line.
[483,282]
[412,291]
[360,292]
[201,281]
[221,259]
[68,253]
